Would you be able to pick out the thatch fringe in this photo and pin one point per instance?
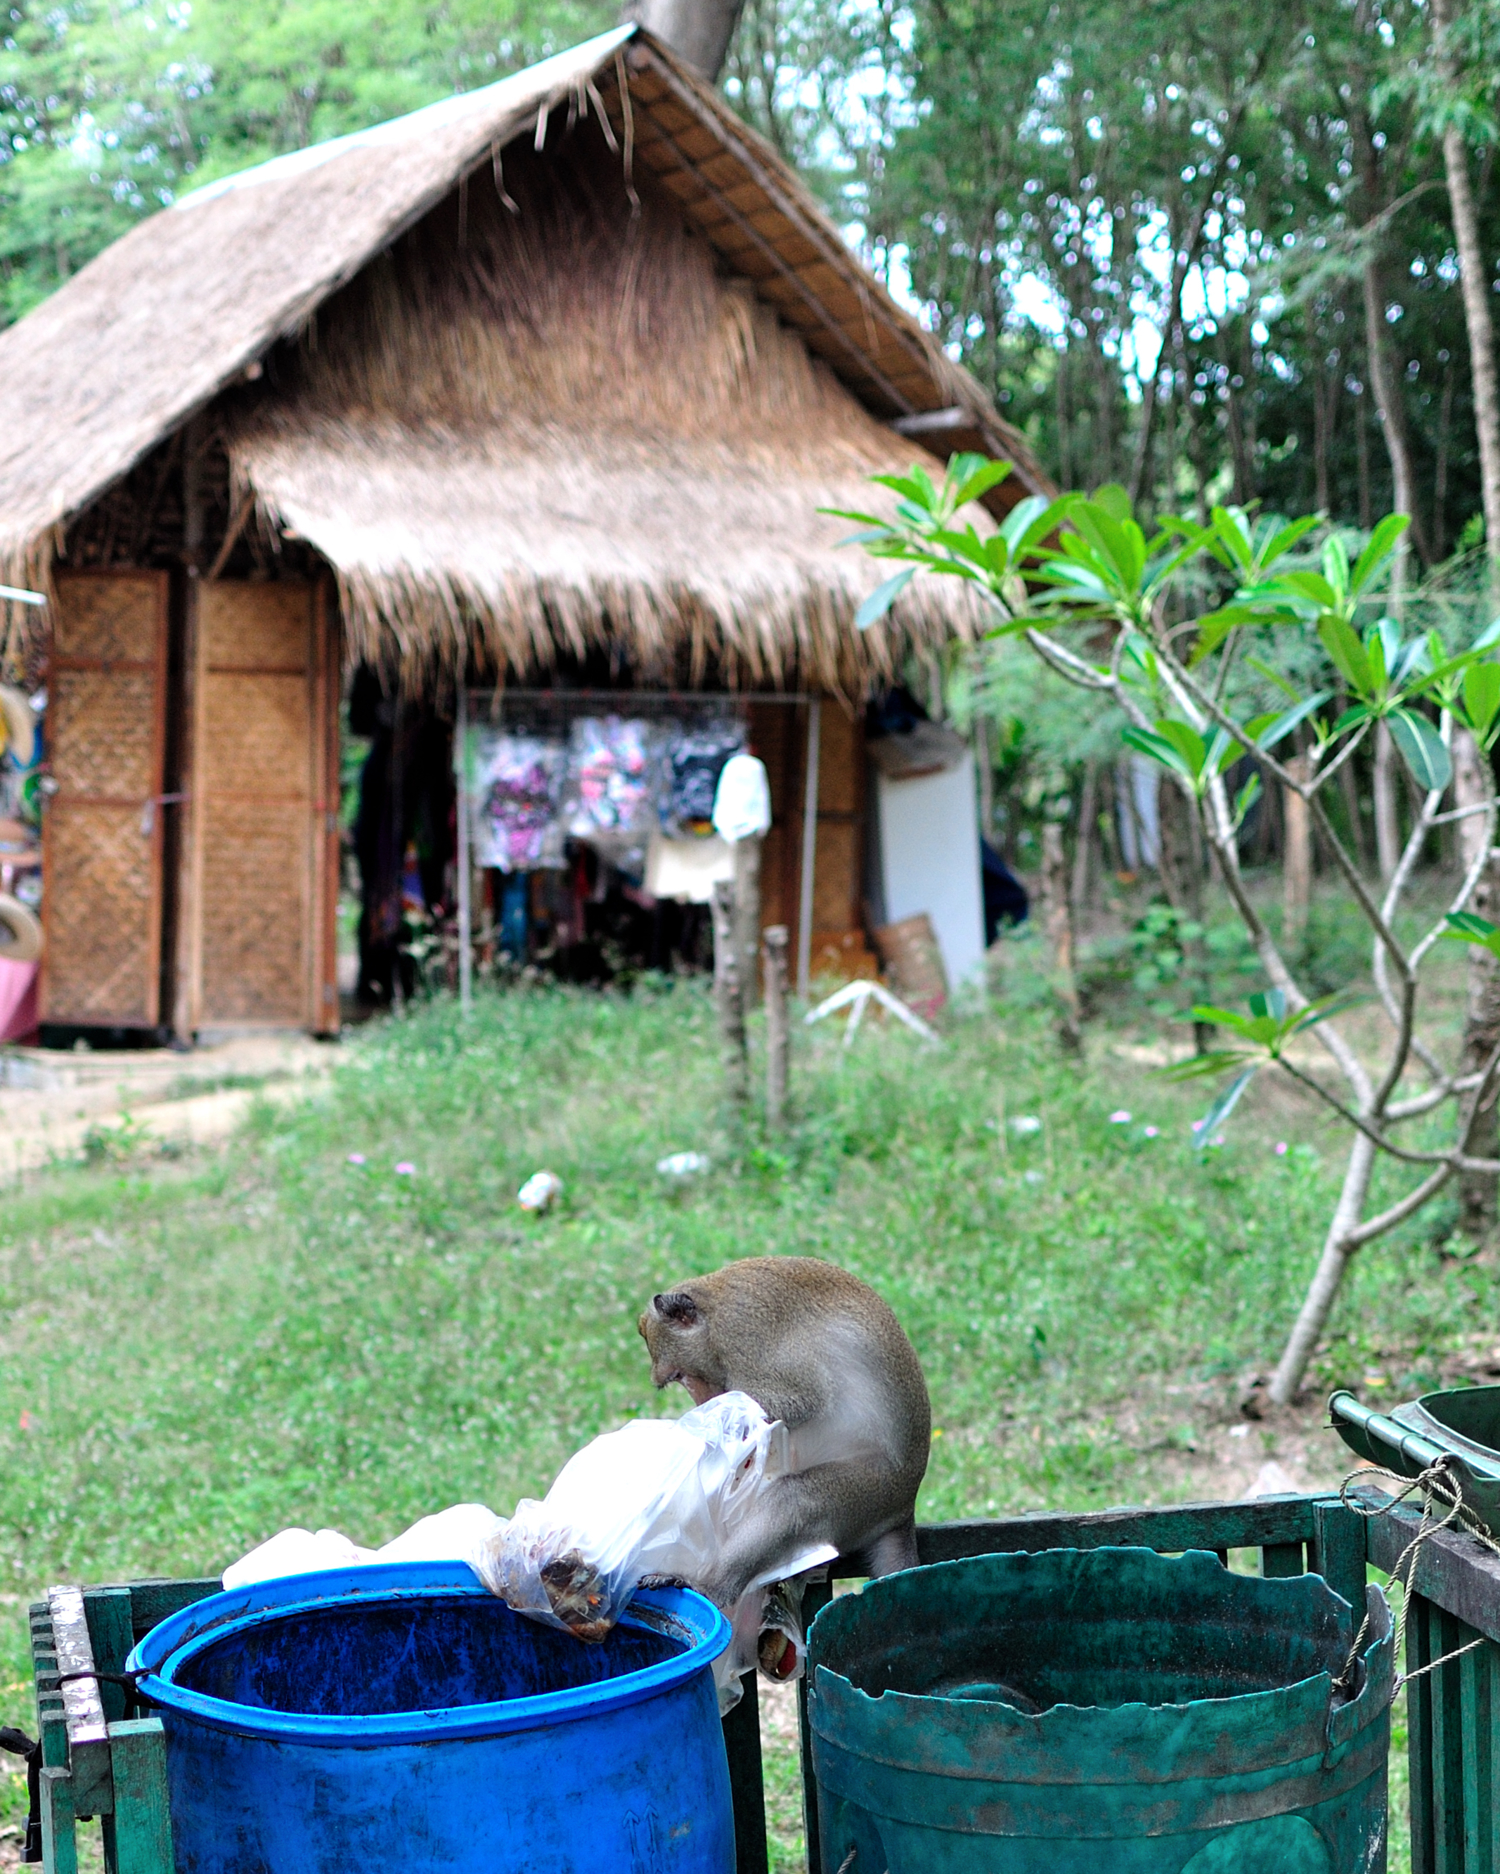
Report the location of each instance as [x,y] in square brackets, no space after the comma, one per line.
[575,432]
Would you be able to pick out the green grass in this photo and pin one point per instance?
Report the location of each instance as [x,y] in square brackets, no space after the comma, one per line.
[194,1353]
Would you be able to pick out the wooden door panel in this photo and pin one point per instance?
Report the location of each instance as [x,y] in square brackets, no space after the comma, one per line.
[259,781]
[256,731]
[250,626]
[101,839]
[255,905]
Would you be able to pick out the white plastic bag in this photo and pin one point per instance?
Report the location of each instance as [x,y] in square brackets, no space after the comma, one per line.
[742,801]
[659,1497]
[453,1535]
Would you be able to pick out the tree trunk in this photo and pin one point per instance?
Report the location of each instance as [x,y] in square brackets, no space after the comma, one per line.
[698,31]
[1084,868]
[1387,829]
[747,917]
[1362,459]
[1328,1277]
[1059,929]
[1392,413]
[1474,276]
[1296,862]
[1479,1192]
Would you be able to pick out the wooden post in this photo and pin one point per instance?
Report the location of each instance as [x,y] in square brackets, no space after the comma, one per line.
[728,995]
[465,908]
[1296,861]
[747,916]
[1059,926]
[778,1029]
[809,847]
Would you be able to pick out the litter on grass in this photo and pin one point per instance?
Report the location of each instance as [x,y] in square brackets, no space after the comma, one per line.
[682,1164]
[540,1191]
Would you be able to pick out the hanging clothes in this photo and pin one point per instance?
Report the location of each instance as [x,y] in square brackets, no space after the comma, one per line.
[695,759]
[613,779]
[516,789]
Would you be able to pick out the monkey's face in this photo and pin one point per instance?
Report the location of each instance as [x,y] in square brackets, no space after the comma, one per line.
[676,1335]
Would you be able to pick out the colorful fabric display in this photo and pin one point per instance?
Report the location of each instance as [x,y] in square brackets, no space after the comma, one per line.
[612,781]
[517,780]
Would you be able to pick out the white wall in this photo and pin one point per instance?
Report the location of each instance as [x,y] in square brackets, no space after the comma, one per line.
[929,859]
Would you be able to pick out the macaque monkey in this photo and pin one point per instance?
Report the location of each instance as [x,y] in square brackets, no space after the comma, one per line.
[817,1349]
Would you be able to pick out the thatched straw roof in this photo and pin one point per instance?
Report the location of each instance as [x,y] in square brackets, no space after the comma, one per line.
[547,426]
[570,430]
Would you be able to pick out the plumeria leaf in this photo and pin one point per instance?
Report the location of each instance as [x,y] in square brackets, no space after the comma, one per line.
[1481,697]
[1468,928]
[977,481]
[1348,655]
[1422,749]
[1246,798]
[1378,549]
[1222,1107]
[1159,749]
[883,598]
[1276,728]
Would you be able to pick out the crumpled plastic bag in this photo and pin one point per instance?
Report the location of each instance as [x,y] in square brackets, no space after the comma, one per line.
[660,1497]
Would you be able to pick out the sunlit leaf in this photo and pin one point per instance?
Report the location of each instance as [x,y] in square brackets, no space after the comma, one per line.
[1468,928]
[1114,499]
[1281,726]
[1481,694]
[1341,641]
[1159,750]
[1378,549]
[979,481]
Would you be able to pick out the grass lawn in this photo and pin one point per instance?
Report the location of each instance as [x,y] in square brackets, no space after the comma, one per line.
[195,1352]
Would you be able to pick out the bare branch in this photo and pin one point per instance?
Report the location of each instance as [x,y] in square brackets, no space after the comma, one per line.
[1456,1161]
[1398,1213]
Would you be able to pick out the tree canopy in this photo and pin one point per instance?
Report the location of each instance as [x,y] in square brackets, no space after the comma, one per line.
[1163,234]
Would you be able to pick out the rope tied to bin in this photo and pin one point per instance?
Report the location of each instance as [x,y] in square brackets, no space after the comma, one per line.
[1438,1484]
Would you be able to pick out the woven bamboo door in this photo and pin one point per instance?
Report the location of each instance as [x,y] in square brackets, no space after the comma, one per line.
[265,771]
[101,838]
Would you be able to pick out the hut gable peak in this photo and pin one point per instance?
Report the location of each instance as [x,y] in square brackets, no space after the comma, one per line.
[178,309]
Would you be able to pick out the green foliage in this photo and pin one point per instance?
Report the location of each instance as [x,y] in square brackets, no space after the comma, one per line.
[1030,171]
[109,112]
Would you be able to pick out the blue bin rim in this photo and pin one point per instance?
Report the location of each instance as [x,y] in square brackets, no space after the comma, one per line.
[183,1635]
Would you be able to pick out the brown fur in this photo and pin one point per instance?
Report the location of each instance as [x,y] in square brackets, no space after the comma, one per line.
[819,1350]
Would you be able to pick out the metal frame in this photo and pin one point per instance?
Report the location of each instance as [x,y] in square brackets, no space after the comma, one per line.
[1453,1712]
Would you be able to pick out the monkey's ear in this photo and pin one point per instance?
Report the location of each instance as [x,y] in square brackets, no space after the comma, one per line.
[681,1310]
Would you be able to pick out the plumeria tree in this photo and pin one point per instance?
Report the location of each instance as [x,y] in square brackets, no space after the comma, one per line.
[1188,632]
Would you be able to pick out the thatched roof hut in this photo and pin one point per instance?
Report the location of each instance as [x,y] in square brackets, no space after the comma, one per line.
[570,360]
[551,377]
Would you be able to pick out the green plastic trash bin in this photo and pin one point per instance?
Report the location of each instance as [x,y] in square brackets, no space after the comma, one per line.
[1106,1711]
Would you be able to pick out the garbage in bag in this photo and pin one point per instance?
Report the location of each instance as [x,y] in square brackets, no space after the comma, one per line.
[453,1535]
[659,1497]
